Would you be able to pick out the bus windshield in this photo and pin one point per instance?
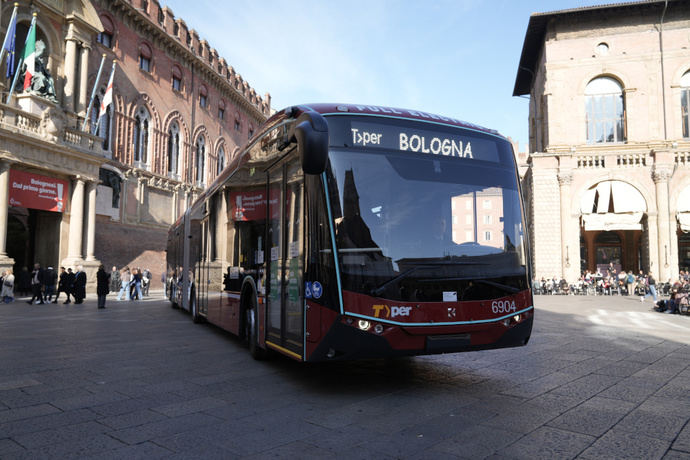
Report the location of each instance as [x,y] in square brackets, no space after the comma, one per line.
[413,225]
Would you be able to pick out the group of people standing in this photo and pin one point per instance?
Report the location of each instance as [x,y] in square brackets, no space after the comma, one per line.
[132,284]
[45,285]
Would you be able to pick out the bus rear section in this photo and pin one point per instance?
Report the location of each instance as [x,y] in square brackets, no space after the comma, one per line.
[427,238]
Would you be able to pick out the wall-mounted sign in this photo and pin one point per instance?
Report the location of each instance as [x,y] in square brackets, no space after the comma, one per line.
[34,191]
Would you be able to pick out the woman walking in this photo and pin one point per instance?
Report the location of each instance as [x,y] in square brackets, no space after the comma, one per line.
[125,278]
[102,285]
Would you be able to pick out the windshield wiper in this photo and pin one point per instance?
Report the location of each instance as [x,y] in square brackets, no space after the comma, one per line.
[505,287]
[378,290]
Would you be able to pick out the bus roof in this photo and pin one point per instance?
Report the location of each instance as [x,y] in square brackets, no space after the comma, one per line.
[391,112]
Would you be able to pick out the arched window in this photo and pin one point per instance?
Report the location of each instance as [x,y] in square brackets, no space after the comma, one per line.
[200,148]
[685,102]
[203,97]
[176,78]
[221,160]
[605,111]
[145,57]
[101,126]
[142,121]
[105,38]
[173,148]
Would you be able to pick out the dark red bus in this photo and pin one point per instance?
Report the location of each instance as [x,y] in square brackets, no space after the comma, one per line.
[345,232]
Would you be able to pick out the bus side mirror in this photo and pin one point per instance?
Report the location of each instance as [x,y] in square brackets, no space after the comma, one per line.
[311,134]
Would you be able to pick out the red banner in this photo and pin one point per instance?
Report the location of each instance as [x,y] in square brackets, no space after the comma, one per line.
[248,206]
[37,192]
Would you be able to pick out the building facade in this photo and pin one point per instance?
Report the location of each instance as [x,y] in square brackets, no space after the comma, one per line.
[608,177]
[178,114]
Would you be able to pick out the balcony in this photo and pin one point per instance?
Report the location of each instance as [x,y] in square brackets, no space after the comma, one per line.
[37,118]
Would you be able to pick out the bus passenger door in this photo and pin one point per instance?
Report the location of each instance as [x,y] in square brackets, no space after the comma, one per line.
[285,301]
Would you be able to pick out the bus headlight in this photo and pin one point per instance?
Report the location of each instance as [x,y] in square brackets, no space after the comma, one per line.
[516,318]
[378,328]
[364,324]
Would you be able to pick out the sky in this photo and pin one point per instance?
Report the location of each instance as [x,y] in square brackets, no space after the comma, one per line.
[456,58]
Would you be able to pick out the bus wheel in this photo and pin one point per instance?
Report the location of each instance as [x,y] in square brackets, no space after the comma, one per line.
[251,333]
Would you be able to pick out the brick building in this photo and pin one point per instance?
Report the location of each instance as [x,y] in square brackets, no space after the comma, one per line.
[179,112]
[608,178]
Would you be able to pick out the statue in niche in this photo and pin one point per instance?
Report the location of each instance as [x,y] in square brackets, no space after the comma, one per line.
[42,83]
[112,180]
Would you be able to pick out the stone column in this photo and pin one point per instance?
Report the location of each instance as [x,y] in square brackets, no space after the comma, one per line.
[565,179]
[91,222]
[4,205]
[661,177]
[76,221]
[70,73]
[83,80]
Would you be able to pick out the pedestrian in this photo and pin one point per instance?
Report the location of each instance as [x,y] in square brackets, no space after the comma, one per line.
[63,285]
[630,282]
[71,277]
[651,284]
[114,279]
[7,291]
[37,277]
[79,289]
[136,284]
[125,278]
[50,280]
[102,285]
[146,282]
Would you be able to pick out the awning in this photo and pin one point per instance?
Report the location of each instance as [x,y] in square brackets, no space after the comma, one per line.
[612,221]
[625,201]
[684,209]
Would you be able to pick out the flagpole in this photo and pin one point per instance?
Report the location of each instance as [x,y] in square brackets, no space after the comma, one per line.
[9,26]
[107,89]
[14,80]
[93,93]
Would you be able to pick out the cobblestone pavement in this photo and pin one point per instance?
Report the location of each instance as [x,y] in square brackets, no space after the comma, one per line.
[603,377]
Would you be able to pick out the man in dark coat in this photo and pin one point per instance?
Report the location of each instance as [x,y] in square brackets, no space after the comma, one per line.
[37,284]
[102,285]
[64,284]
[50,282]
[79,289]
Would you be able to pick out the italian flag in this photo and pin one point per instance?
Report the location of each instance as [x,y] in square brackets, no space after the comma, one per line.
[30,56]
[108,96]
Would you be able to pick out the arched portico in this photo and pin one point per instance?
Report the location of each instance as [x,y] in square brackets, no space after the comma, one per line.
[613,215]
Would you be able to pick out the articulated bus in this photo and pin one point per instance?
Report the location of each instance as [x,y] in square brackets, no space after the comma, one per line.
[346,232]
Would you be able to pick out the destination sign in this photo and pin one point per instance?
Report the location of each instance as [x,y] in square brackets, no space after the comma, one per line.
[405,139]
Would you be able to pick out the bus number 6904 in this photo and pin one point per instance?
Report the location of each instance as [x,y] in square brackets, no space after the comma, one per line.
[503,306]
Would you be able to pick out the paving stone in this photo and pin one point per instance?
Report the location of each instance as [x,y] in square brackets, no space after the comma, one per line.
[143,451]
[593,417]
[188,407]
[548,443]
[624,445]
[682,442]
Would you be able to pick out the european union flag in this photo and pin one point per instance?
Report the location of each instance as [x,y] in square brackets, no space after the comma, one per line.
[10,46]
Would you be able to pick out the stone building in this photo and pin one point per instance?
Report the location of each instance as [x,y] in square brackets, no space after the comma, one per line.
[179,112]
[609,167]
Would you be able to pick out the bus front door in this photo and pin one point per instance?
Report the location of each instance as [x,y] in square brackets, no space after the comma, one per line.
[285,297]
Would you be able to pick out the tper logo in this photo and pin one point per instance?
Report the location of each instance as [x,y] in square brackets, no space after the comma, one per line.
[384,311]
